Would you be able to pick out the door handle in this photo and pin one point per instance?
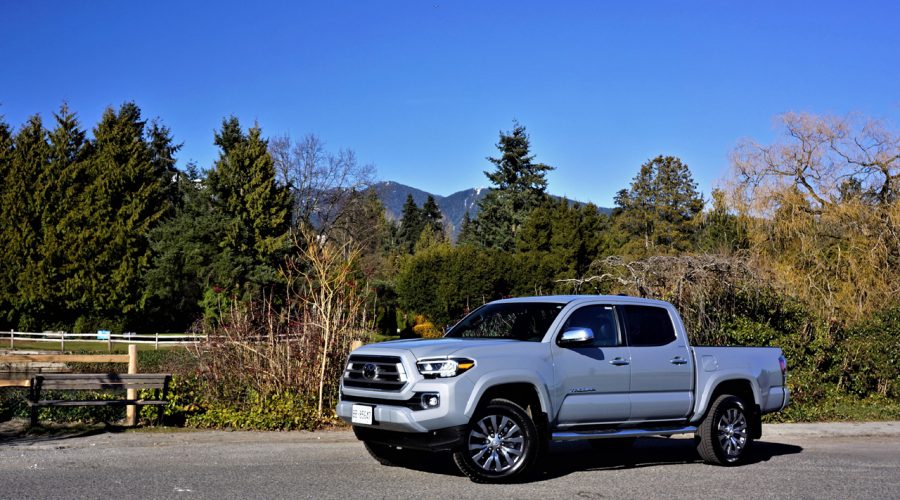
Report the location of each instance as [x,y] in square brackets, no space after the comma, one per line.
[678,360]
[619,361]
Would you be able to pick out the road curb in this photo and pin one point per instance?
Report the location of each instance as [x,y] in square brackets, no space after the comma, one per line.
[833,429]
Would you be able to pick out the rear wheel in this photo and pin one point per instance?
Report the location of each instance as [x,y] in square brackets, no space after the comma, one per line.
[502,444]
[724,435]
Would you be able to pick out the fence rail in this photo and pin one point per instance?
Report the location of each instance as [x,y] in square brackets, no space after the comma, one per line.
[62,338]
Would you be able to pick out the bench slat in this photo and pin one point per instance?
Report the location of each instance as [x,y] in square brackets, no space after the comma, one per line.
[87,381]
[95,402]
[94,376]
[87,386]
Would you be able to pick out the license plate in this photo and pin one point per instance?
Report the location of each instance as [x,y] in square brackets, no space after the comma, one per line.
[362,414]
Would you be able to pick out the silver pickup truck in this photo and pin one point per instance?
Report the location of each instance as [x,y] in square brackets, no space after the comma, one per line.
[517,373]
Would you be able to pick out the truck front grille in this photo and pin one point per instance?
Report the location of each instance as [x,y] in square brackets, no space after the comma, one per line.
[384,373]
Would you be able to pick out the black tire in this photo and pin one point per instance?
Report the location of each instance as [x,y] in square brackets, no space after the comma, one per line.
[504,433]
[612,445]
[724,436]
[390,456]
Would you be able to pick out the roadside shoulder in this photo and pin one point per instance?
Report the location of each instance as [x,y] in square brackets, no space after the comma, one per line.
[833,429]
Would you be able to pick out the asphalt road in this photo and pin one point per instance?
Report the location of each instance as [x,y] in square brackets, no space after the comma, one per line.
[787,463]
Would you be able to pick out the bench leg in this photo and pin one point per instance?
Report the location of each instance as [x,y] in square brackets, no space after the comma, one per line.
[33,391]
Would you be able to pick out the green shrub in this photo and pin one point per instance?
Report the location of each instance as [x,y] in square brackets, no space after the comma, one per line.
[277,411]
[868,358]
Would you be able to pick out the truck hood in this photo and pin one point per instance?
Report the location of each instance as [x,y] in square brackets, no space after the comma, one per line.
[434,348]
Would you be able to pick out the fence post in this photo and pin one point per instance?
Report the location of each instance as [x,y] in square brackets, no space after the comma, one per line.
[156,334]
[109,342]
[62,341]
[12,338]
[130,410]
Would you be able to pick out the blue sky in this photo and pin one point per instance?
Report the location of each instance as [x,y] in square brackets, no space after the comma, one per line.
[421,89]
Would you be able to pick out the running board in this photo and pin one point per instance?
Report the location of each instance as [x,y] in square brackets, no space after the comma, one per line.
[622,433]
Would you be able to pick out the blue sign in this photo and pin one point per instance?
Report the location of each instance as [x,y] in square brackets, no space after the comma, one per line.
[102,334]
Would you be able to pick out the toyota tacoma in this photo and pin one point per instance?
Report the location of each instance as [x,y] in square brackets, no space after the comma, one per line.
[516,374]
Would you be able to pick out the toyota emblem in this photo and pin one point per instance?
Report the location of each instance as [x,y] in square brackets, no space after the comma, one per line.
[370,370]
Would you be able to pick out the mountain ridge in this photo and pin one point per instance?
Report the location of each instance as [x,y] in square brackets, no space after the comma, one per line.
[454,206]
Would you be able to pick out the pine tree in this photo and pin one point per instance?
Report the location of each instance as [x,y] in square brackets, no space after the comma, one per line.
[519,187]
[467,234]
[569,235]
[126,198]
[21,221]
[412,221]
[244,190]
[657,214]
[187,259]
[434,219]
[7,285]
[59,189]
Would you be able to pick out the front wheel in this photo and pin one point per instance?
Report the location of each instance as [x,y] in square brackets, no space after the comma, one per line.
[502,444]
[724,435]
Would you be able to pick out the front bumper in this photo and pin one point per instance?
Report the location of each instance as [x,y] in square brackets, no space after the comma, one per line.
[446,439]
[395,414]
[392,411]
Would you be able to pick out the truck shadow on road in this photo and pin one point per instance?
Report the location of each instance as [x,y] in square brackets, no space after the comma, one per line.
[566,458]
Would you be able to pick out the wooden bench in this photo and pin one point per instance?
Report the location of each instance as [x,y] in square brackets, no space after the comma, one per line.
[96,381]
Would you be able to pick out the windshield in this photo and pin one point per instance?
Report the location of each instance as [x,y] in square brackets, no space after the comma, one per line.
[512,320]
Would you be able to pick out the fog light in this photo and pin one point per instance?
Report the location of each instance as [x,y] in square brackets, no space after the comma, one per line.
[430,400]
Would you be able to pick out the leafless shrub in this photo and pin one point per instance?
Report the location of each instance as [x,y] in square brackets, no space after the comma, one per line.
[297,342]
[702,287]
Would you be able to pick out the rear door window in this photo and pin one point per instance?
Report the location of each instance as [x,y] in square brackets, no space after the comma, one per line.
[647,325]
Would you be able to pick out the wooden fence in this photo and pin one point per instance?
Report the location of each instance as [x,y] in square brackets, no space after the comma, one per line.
[62,338]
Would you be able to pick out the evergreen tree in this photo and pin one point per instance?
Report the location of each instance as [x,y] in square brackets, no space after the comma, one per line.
[722,231]
[519,187]
[126,198]
[162,151]
[433,218]
[412,221]
[244,190]
[59,189]
[22,221]
[187,259]
[467,235]
[570,236]
[657,214]
[7,271]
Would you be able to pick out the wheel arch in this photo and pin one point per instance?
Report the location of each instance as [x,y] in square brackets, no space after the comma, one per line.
[742,388]
[521,389]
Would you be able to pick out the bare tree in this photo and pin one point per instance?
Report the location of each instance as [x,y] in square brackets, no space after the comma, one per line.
[820,156]
[324,183]
[823,211]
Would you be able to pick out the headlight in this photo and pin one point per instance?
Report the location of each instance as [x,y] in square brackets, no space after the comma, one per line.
[443,368]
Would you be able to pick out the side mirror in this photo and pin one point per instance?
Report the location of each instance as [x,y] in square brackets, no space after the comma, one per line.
[576,336]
